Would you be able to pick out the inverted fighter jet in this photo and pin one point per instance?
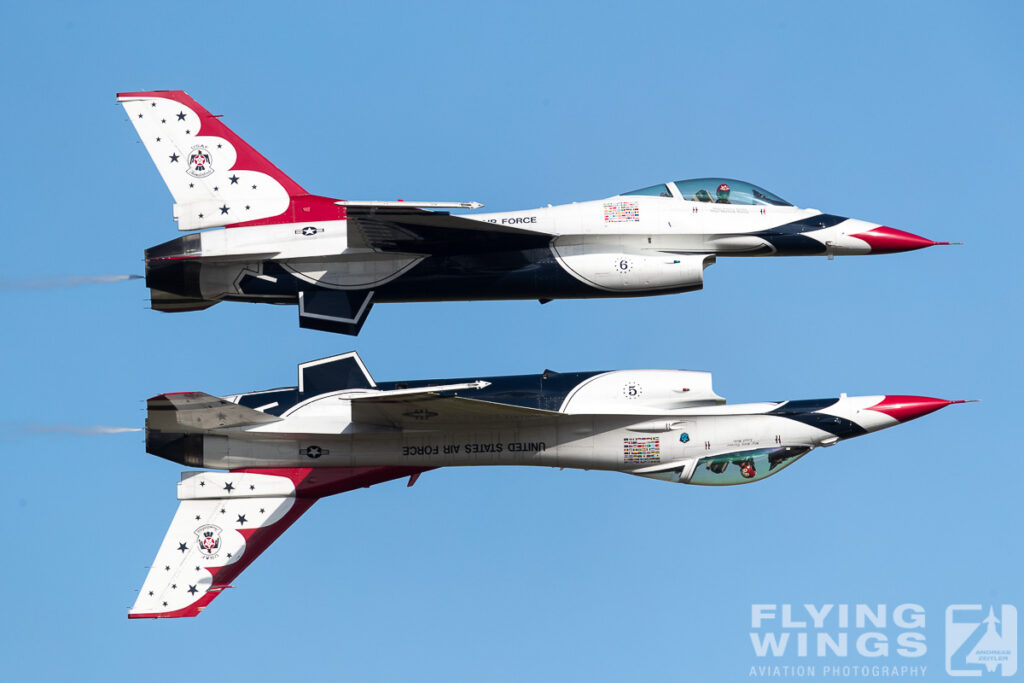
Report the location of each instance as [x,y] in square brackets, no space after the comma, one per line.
[273,242]
[339,430]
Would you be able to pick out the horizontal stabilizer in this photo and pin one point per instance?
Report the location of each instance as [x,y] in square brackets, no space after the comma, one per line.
[194,411]
[226,520]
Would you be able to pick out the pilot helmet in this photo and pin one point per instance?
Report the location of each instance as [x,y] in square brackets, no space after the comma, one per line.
[723,191]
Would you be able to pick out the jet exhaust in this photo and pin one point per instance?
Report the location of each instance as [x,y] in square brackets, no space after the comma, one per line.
[66,282]
[75,430]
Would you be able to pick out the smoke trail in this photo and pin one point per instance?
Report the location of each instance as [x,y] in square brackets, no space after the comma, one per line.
[76,430]
[62,282]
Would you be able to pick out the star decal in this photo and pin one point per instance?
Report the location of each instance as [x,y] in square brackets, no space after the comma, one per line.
[191,185]
[200,215]
[167,568]
[229,556]
[216,189]
[165,604]
[246,207]
[197,568]
[218,145]
[241,519]
[233,179]
[224,209]
[158,139]
[252,487]
[163,120]
[261,511]
[174,586]
[181,116]
[228,487]
[140,116]
[313,452]
[174,158]
[222,511]
[192,590]
[152,104]
[151,593]
[197,518]
[254,187]
[182,547]
[188,132]
[202,483]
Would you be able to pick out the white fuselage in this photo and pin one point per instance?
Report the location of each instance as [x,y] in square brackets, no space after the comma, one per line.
[636,443]
[616,245]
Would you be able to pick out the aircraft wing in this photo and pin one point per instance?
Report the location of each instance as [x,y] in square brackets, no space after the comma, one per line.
[225,520]
[416,231]
[433,409]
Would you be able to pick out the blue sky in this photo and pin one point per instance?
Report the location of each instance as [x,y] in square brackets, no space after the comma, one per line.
[901,113]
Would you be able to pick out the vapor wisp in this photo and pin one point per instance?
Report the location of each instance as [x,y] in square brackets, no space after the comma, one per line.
[66,282]
[75,430]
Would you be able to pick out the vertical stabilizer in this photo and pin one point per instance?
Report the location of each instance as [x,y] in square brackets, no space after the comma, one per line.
[216,177]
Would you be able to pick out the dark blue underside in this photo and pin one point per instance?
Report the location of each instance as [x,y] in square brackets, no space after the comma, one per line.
[461,266]
[546,391]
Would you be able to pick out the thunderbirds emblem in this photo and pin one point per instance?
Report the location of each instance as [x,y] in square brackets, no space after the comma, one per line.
[199,162]
[209,540]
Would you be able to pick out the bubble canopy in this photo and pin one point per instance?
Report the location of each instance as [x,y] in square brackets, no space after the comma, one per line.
[714,190]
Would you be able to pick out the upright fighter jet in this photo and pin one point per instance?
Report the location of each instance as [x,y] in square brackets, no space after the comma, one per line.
[339,430]
[273,242]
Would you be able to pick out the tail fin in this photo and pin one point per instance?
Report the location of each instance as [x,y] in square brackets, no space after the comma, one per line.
[215,177]
[226,520]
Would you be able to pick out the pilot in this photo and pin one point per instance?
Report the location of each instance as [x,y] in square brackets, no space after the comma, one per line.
[702,196]
[723,194]
[747,469]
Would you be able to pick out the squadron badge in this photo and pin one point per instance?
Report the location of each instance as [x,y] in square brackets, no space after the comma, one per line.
[200,164]
[208,536]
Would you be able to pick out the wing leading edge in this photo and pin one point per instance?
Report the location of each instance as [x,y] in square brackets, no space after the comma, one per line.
[433,408]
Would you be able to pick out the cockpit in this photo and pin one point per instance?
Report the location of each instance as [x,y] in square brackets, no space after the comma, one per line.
[714,191]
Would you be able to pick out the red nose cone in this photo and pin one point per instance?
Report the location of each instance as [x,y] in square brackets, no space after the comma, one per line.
[884,240]
[904,408]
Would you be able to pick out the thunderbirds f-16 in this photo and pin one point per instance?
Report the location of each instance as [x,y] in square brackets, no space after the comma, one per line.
[335,258]
[339,430]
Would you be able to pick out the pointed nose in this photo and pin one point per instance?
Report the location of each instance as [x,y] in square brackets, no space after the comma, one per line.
[886,240]
[906,408]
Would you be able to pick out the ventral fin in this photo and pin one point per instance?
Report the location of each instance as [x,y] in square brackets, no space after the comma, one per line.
[345,371]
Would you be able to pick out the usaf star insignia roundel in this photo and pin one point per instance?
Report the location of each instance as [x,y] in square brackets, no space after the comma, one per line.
[313,452]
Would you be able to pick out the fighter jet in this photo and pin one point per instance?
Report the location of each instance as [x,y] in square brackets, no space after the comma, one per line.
[338,430]
[274,242]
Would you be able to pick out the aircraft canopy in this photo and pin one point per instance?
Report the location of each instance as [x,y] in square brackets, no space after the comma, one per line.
[714,190]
